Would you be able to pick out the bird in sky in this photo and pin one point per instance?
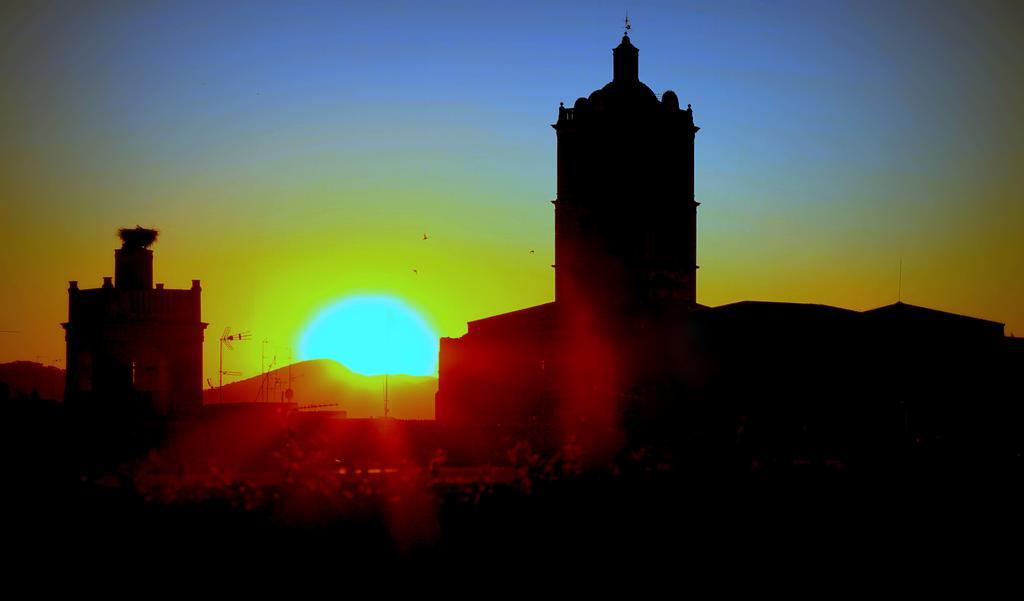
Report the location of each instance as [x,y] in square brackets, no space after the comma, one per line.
[424,236]
[415,272]
[531,252]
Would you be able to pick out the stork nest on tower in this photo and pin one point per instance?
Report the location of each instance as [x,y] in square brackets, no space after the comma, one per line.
[139,237]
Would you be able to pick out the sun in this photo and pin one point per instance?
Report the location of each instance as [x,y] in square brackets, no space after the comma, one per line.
[372,335]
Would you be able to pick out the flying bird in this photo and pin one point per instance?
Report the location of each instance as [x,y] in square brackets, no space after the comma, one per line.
[415,272]
[531,252]
[424,236]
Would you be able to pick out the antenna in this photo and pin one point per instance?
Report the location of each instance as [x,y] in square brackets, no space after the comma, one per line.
[289,392]
[225,340]
[266,377]
[899,290]
[263,392]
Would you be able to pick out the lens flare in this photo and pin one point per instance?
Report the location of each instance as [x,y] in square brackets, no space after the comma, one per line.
[372,335]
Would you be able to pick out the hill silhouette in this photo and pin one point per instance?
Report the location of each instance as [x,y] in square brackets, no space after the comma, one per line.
[324,381]
[22,377]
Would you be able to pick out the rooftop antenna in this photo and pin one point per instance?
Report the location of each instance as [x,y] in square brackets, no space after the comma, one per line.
[289,393]
[265,369]
[225,340]
[899,292]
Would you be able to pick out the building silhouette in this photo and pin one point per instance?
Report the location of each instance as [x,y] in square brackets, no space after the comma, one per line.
[133,347]
[625,267]
[625,214]
[625,344]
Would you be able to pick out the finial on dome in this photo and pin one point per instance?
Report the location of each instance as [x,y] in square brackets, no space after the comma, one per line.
[625,59]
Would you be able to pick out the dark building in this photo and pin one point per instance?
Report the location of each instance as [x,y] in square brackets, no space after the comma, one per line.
[625,269]
[799,384]
[625,214]
[132,346]
[626,344]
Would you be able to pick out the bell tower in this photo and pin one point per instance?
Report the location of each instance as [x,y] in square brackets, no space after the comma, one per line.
[625,213]
[611,347]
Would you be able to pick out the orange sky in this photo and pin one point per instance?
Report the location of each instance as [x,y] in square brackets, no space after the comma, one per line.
[289,163]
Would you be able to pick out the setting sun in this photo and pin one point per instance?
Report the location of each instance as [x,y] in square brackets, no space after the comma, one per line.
[372,335]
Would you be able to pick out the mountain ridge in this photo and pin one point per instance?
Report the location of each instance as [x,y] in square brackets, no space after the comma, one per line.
[327,382]
[22,377]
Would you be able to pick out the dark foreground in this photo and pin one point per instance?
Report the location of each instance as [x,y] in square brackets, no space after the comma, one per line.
[87,491]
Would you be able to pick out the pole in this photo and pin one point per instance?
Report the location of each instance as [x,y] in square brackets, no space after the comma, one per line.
[220,388]
[263,373]
[899,293]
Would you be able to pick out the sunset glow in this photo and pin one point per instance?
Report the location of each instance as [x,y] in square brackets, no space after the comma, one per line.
[665,288]
[288,165]
[372,335]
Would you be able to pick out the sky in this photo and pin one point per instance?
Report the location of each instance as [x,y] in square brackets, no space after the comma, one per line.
[294,153]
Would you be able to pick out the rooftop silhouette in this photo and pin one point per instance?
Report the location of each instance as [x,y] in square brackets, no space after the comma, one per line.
[626,353]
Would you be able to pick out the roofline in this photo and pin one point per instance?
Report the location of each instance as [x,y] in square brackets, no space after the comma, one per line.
[786,303]
[517,311]
[919,307]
